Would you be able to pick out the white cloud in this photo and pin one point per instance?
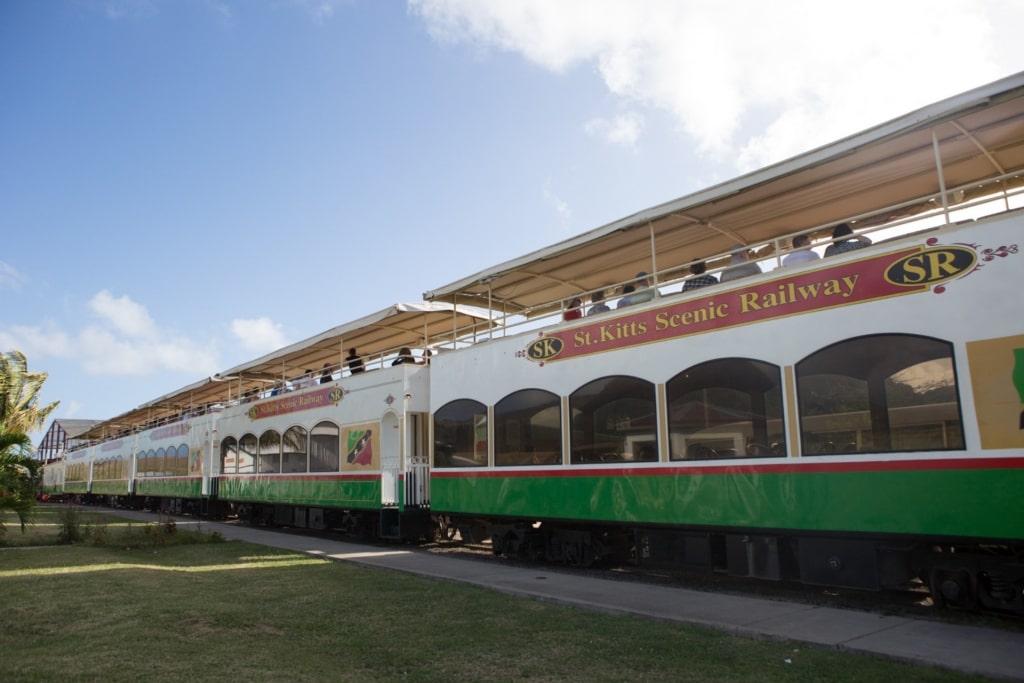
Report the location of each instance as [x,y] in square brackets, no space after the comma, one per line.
[259,335]
[123,314]
[10,278]
[560,206]
[623,129]
[124,340]
[751,82]
[47,340]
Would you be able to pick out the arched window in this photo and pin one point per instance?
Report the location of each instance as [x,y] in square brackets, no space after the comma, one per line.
[726,408]
[142,464]
[181,463]
[229,456]
[325,448]
[159,461]
[614,419]
[294,450]
[247,454]
[528,429]
[270,452]
[879,394]
[460,434]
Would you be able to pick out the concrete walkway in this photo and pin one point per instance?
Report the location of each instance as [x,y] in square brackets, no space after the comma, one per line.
[985,651]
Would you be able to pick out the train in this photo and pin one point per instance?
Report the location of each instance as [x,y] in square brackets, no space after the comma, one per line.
[851,417]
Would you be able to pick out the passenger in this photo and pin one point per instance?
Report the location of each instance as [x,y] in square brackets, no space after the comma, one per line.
[278,388]
[644,292]
[598,304]
[426,356]
[575,310]
[626,300]
[307,380]
[699,278]
[801,252]
[741,266]
[404,357]
[355,363]
[843,246]
[325,374]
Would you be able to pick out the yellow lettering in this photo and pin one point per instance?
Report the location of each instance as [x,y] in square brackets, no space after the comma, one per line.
[748,302]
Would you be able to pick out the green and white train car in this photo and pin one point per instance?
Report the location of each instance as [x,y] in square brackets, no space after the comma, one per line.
[853,420]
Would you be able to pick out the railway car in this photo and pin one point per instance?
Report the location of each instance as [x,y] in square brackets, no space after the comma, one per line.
[853,420]
[306,436]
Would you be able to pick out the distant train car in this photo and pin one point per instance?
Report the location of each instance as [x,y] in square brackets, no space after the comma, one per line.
[314,435]
[854,420]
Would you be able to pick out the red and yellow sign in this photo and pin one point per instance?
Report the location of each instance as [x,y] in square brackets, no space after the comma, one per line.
[891,274]
[295,402]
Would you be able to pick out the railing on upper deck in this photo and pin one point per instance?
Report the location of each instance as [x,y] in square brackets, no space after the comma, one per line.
[769,255]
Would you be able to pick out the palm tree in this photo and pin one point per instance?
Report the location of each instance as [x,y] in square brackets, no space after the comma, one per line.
[19,478]
[19,415]
[19,395]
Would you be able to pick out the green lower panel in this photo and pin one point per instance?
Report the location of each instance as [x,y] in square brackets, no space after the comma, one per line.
[75,487]
[171,487]
[973,503]
[344,493]
[111,487]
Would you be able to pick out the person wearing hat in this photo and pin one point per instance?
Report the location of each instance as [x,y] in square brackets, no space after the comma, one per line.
[740,265]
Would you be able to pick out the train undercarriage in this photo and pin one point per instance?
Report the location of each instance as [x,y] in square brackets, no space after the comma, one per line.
[973,577]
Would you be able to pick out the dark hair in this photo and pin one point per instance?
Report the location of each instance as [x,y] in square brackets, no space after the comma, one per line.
[842,230]
[698,268]
[801,240]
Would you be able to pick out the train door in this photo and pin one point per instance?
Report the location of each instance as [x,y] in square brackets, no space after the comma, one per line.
[390,459]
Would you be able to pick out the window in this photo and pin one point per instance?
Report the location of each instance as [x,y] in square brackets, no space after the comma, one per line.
[325,448]
[879,394]
[247,454]
[181,463]
[726,408]
[159,462]
[614,419]
[460,434]
[528,429]
[229,456]
[294,450]
[270,452]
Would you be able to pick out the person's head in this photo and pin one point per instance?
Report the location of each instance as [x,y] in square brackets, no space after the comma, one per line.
[699,268]
[576,302]
[326,369]
[740,253]
[842,230]
[404,351]
[352,351]
[628,289]
[597,297]
[801,241]
[641,279]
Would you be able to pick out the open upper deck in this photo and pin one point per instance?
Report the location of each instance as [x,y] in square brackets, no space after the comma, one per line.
[959,158]
[378,339]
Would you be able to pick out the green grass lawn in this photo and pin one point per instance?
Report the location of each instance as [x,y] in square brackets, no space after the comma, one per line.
[237,612]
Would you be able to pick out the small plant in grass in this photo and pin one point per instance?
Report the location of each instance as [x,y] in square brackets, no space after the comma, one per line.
[71,528]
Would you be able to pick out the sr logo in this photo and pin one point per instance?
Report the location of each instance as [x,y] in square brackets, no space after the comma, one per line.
[544,349]
[936,264]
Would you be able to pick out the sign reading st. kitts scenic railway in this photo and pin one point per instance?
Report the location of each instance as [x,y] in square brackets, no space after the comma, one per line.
[907,271]
[292,403]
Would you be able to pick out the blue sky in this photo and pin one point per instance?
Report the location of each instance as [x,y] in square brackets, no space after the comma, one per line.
[188,184]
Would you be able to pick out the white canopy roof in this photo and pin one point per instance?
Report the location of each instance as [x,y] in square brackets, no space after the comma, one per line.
[980,136]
